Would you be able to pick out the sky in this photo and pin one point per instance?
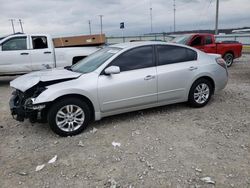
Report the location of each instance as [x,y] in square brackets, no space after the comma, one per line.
[67,17]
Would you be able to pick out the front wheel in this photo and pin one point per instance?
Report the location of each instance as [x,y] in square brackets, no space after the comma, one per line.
[69,116]
[229,59]
[200,93]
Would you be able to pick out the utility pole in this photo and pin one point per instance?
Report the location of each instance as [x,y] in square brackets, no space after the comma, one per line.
[101,22]
[151,17]
[217,17]
[174,15]
[89,27]
[20,22]
[12,23]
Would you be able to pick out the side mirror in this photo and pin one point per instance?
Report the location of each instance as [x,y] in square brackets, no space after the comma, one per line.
[112,70]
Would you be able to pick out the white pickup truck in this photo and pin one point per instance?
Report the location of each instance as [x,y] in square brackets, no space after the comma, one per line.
[23,53]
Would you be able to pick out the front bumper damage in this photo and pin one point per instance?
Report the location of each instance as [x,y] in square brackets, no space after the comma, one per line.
[22,108]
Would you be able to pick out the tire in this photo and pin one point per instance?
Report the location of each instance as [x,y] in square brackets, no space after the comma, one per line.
[72,113]
[200,93]
[229,59]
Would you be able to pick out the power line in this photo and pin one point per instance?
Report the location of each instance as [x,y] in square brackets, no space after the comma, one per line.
[20,22]
[89,27]
[174,15]
[151,17]
[204,11]
[217,17]
[101,16]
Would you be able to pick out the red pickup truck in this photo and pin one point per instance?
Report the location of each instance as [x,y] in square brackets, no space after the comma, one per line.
[229,50]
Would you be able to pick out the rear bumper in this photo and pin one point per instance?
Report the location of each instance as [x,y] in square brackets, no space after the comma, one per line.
[221,79]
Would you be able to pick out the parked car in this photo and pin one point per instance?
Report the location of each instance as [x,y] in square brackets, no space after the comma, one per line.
[117,79]
[23,53]
[229,50]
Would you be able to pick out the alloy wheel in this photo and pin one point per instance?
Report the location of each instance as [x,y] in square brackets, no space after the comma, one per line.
[201,93]
[70,118]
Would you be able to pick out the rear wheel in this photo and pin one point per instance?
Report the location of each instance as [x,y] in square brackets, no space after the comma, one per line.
[200,93]
[69,116]
[229,59]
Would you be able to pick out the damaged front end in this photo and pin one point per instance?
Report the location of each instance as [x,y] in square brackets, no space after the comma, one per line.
[28,88]
[22,107]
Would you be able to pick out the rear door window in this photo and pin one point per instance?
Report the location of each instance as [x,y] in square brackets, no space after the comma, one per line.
[168,54]
[39,42]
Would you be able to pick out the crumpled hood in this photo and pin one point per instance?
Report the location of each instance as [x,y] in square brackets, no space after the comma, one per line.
[27,81]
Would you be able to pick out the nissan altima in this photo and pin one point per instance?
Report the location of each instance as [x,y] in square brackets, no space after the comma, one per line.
[117,79]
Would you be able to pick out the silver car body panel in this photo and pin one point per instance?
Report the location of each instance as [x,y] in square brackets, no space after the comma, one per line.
[27,81]
[130,90]
[138,89]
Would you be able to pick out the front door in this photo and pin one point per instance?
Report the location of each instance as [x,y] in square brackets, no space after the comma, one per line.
[15,56]
[135,85]
[198,42]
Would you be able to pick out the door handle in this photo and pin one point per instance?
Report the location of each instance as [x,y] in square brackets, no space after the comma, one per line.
[192,68]
[47,52]
[24,53]
[149,77]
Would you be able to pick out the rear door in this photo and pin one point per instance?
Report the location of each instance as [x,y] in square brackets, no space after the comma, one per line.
[176,68]
[134,86]
[42,54]
[15,56]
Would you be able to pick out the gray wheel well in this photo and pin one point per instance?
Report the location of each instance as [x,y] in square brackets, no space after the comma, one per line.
[85,99]
[229,52]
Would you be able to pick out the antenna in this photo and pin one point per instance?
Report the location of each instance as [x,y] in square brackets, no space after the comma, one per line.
[12,23]
[174,15]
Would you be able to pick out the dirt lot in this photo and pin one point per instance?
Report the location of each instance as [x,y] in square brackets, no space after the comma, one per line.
[171,146]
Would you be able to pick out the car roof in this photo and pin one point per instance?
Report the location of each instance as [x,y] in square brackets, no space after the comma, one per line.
[141,43]
[128,45]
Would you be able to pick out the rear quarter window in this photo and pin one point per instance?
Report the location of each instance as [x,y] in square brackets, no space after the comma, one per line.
[168,54]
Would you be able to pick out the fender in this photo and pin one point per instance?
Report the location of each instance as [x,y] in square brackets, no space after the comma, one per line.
[50,95]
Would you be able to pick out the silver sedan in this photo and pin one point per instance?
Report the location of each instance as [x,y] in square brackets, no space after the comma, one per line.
[117,79]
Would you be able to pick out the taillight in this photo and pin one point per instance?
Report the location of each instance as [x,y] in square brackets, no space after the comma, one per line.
[221,62]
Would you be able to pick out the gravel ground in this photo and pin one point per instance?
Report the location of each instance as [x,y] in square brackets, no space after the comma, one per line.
[171,146]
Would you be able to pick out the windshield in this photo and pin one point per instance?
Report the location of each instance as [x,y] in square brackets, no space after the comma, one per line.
[93,61]
[181,39]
